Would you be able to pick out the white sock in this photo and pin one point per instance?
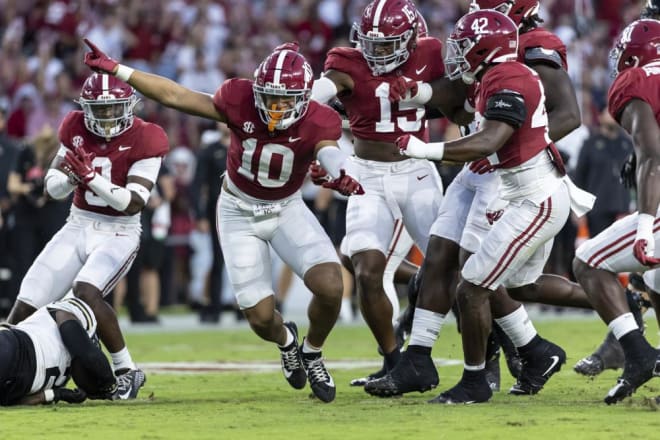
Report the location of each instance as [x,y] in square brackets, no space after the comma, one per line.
[122,359]
[623,324]
[390,292]
[289,338]
[479,367]
[518,327]
[426,327]
[309,348]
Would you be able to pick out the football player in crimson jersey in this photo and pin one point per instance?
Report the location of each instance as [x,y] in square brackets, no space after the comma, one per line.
[385,85]
[469,208]
[276,133]
[36,357]
[630,244]
[513,134]
[110,160]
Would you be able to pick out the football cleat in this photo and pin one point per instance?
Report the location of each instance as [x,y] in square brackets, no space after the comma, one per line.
[413,372]
[129,383]
[321,382]
[513,361]
[609,355]
[464,393]
[361,381]
[635,374]
[493,372]
[538,367]
[292,365]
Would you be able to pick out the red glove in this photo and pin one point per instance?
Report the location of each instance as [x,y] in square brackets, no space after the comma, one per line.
[400,86]
[493,216]
[402,143]
[79,165]
[98,61]
[639,251]
[318,174]
[481,166]
[345,184]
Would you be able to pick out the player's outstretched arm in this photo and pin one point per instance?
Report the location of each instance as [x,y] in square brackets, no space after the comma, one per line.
[449,98]
[158,88]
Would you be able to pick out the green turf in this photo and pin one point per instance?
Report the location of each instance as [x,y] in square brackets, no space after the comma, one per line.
[241,405]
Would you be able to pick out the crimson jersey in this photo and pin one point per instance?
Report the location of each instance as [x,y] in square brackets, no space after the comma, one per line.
[264,165]
[541,45]
[371,114]
[636,83]
[114,158]
[532,136]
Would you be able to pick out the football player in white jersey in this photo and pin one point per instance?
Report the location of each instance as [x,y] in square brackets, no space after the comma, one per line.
[36,357]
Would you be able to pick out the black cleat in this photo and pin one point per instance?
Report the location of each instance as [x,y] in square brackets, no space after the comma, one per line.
[635,374]
[538,367]
[513,360]
[362,381]
[464,393]
[413,372]
[609,355]
[320,381]
[292,364]
[493,372]
[129,383]
[404,325]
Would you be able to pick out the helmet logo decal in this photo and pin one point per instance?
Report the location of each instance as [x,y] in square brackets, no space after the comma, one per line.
[77,141]
[479,25]
[410,15]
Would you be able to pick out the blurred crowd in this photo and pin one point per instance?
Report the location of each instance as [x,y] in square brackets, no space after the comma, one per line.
[199,43]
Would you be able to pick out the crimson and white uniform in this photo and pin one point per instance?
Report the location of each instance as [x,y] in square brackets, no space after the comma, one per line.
[516,248]
[612,249]
[409,190]
[98,244]
[265,171]
[462,217]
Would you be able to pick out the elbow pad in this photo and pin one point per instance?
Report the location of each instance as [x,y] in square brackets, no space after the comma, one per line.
[57,184]
[323,90]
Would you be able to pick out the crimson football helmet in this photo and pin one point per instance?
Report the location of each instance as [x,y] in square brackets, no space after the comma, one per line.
[107,103]
[638,44]
[517,10]
[480,38]
[422,27]
[386,34]
[282,88]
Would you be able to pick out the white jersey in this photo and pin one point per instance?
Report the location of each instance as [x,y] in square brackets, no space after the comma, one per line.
[52,358]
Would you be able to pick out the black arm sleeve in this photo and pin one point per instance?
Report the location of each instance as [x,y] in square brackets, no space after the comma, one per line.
[508,107]
[81,347]
[434,113]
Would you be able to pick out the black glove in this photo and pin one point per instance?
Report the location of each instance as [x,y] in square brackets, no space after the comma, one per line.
[69,396]
[107,392]
[628,171]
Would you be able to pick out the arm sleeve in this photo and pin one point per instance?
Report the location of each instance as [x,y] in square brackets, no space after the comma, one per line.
[506,106]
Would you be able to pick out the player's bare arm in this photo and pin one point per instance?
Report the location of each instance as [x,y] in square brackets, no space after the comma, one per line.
[158,88]
[492,136]
[561,104]
[638,120]
[343,82]
[449,97]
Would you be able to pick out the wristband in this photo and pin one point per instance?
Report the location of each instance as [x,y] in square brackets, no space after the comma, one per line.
[468,107]
[644,226]
[49,395]
[124,72]
[424,93]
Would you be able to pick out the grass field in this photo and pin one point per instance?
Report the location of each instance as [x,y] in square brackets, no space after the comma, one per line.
[261,405]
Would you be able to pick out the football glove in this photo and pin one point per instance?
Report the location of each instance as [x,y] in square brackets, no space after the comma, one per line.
[98,61]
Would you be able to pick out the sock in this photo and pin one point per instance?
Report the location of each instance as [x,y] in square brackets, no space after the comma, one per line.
[289,338]
[426,327]
[122,360]
[518,327]
[309,348]
[346,311]
[473,368]
[635,346]
[391,359]
[623,324]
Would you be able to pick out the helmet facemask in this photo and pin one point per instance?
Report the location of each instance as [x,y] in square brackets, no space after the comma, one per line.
[108,116]
[383,53]
[278,107]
